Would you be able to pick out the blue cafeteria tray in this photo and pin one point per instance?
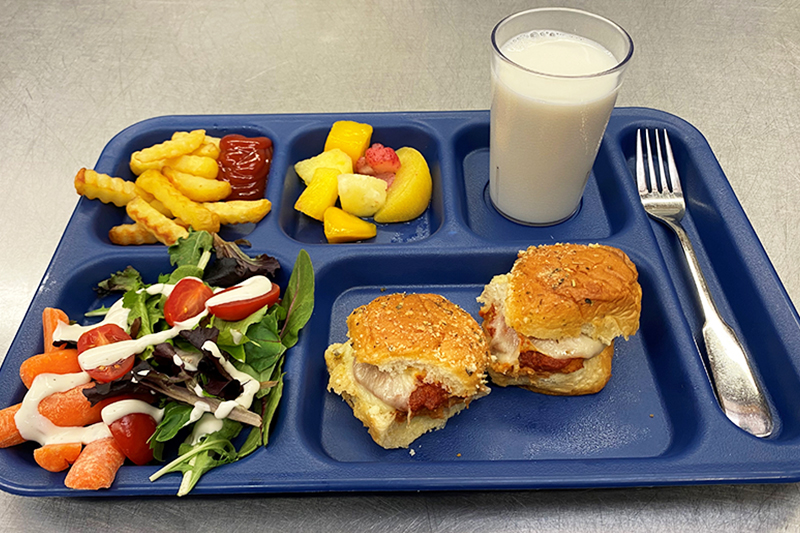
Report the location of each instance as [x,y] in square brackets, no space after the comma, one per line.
[656,423]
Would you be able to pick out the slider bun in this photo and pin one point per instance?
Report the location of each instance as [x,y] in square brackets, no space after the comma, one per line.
[564,290]
[590,379]
[423,331]
[378,417]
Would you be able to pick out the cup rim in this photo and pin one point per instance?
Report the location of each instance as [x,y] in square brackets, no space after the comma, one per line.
[619,66]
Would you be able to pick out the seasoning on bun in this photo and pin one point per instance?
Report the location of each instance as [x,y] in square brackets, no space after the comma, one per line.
[412,361]
[552,320]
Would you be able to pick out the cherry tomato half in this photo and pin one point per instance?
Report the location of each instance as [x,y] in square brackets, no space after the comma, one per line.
[239,309]
[186,300]
[100,336]
[132,432]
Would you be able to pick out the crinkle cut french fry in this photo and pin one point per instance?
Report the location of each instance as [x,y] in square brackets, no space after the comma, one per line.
[240,211]
[197,216]
[209,148]
[103,187]
[205,167]
[96,466]
[196,188]
[164,229]
[130,234]
[155,204]
[172,148]
[138,167]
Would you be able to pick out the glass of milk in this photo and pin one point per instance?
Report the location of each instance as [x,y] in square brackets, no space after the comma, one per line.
[555,77]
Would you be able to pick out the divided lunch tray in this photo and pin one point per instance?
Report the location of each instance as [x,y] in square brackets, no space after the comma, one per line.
[657,421]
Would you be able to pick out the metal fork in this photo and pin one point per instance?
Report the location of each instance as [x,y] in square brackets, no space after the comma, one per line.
[738,391]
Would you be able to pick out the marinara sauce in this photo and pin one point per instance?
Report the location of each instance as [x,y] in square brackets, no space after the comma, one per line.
[244,163]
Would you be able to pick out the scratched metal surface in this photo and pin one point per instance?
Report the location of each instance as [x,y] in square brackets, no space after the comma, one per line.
[74,73]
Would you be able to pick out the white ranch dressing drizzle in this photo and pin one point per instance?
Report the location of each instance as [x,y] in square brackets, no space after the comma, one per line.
[71,333]
[34,426]
[249,385]
[246,290]
[113,412]
[109,354]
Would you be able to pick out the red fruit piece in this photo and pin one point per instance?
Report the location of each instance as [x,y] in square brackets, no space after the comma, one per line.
[382,159]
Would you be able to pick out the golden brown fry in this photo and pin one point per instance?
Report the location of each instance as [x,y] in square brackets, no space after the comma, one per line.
[205,167]
[209,148]
[164,229]
[240,211]
[138,167]
[155,204]
[196,188]
[103,187]
[171,148]
[128,234]
[191,212]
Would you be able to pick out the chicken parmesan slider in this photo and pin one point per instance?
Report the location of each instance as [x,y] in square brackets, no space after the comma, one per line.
[552,320]
[411,362]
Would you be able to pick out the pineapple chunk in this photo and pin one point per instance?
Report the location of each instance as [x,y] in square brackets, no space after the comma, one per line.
[344,227]
[361,195]
[351,137]
[329,159]
[320,194]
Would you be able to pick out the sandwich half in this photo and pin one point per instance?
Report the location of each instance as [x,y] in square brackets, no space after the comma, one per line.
[552,321]
[412,361]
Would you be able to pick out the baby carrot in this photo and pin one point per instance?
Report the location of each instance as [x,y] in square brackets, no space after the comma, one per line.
[50,319]
[96,466]
[57,457]
[52,362]
[9,435]
[71,408]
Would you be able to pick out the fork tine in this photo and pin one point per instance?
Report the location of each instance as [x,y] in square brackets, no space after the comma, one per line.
[674,179]
[663,185]
[654,185]
[641,178]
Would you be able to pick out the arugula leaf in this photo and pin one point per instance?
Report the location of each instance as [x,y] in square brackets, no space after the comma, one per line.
[121,281]
[185,271]
[100,311]
[194,250]
[212,450]
[298,300]
[176,416]
[144,307]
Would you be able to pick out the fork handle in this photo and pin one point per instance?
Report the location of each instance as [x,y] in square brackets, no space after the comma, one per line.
[739,393]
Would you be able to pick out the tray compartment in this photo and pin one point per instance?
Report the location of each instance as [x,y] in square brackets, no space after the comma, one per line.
[638,414]
[719,236]
[599,216]
[310,142]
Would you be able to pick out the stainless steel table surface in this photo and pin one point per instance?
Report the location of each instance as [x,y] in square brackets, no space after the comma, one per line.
[74,73]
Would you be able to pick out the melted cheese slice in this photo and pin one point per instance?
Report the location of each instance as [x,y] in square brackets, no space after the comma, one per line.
[393,389]
[568,348]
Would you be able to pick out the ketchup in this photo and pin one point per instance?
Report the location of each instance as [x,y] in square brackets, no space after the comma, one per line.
[244,163]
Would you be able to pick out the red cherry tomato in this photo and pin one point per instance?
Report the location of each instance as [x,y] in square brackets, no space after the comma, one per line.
[239,309]
[132,432]
[186,300]
[100,336]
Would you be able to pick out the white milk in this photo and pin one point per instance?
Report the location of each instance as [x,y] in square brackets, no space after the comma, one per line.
[546,125]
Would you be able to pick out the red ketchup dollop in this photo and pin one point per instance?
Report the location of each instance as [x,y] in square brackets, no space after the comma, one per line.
[244,163]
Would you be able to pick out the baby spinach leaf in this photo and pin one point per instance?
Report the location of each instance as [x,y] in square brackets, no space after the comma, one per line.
[298,300]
